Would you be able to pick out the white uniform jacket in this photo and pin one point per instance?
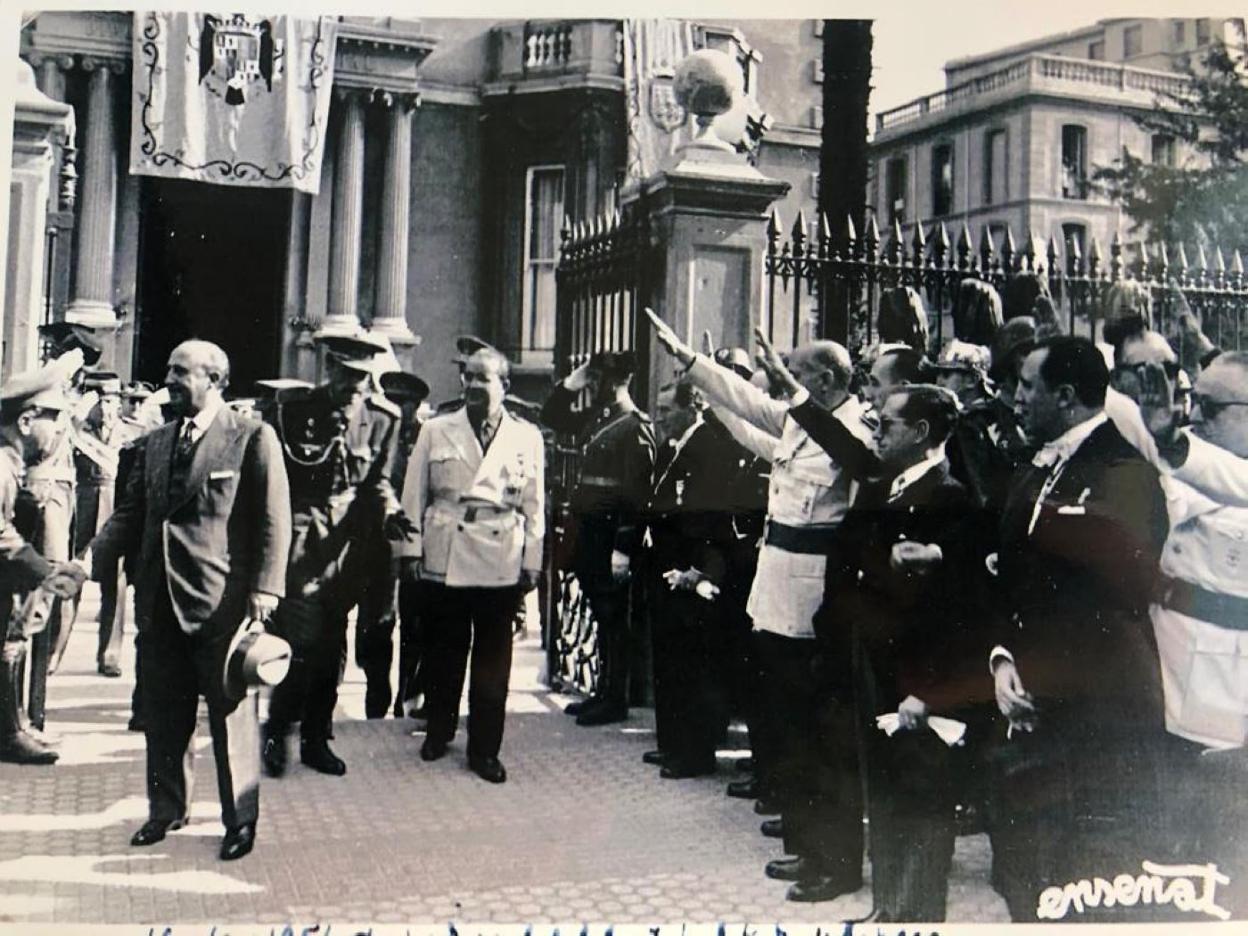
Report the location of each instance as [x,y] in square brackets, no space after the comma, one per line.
[480,518]
[807,490]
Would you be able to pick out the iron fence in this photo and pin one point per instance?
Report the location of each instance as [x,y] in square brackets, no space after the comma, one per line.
[821,286]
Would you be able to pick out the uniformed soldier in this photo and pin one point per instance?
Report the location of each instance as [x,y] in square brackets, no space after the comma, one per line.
[97,448]
[617,461]
[475,485]
[375,619]
[339,442]
[46,516]
[30,406]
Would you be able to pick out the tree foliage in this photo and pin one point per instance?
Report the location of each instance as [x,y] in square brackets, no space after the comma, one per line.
[1203,198]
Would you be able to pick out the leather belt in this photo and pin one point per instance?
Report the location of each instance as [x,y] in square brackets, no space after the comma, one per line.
[807,540]
[1221,610]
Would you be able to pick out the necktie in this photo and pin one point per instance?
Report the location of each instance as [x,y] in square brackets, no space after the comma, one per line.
[186,445]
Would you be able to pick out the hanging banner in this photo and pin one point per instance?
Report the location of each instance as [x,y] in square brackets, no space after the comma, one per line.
[657,125]
[232,98]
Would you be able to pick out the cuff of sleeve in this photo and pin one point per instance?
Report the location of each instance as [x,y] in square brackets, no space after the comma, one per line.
[799,398]
[407,549]
[998,653]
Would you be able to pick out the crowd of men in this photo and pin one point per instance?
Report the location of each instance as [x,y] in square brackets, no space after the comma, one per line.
[996,585]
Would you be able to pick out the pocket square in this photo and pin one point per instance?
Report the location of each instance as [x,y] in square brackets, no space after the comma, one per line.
[220,475]
[1072,510]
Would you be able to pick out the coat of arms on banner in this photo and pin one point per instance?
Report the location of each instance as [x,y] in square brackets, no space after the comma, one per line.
[232,98]
[237,52]
[665,111]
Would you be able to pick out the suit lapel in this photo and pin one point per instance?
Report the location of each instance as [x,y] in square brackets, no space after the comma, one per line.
[217,439]
[159,460]
[460,434]
[504,443]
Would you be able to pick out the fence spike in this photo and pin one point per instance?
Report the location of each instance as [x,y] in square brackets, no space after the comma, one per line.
[873,232]
[964,247]
[799,228]
[774,229]
[1051,253]
[565,232]
[1163,261]
[942,236]
[1237,263]
[619,218]
[851,232]
[1202,262]
[1009,248]
[1219,263]
[985,250]
[1181,259]
[1115,256]
[824,235]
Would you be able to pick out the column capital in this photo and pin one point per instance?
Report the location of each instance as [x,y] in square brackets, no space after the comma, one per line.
[400,101]
[352,95]
[59,61]
[91,63]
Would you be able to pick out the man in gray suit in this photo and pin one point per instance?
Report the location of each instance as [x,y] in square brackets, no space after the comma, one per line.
[207,510]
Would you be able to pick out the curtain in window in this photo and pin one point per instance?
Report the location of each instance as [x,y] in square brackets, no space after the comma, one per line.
[545,218]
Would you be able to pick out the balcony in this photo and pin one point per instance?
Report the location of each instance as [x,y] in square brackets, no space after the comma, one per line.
[1052,75]
[548,54]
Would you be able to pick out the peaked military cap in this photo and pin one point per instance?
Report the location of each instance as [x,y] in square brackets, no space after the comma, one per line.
[34,389]
[736,360]
[66,336]
[105,383]
[614,363]
[402,386]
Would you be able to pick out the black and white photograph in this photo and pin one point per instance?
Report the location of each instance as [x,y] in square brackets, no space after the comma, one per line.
[646,470]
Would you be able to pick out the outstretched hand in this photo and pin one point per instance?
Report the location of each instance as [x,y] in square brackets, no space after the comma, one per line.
[670,341]
[771,362]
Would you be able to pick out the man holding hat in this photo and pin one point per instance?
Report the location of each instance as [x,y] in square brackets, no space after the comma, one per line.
[97,447]
[207,508]
[340,441]
[617,461]
[30,406]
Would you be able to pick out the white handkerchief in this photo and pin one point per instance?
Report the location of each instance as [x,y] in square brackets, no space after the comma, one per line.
[950,730]
[220,475]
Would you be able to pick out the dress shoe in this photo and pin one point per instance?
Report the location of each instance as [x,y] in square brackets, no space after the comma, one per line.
[819,889]
[111,670]
[789,869]
[766,807]
[432,750]
[238,841]
[488,768]
[273,751]
[580,705]
[656,758]
[317,755]
[135,724]
[604,714]
[23,748]
[154,830]
[680,770]
[772,828]
[743,789]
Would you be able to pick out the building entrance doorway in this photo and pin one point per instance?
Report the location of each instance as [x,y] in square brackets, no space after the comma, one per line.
[211,265]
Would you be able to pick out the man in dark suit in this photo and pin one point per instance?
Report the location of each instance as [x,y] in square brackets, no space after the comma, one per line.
[207,506]
[1076,668]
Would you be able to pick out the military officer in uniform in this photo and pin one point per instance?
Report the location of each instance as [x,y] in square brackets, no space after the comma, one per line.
[475,486]
[617,462]
[29,404]
[97,447]
[378,610]
[339,442]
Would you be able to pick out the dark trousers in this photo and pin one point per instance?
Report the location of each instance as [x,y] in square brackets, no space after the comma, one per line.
[374,642]
[609,604]
[413,650]
[912,800]
[50,518]
[179,668]
[317,632]
[690,697]
[815,775]
[458,618]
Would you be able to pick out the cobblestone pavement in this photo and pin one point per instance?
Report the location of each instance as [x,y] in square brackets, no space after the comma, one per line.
[582,830]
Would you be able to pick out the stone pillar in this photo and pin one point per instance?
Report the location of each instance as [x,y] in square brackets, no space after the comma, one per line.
[39,126]
[92,304]
[348,209]
[708,227]
[390,311]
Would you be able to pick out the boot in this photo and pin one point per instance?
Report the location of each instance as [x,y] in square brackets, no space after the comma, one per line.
[16,746]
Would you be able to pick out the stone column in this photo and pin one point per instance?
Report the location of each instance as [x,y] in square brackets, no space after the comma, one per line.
[39,126]
[92,304]
[348,208]
[390,311]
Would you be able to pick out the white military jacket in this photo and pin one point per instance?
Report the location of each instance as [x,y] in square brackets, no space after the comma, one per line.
[480,517]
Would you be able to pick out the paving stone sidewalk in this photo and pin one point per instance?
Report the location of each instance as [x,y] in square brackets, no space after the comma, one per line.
[582,830]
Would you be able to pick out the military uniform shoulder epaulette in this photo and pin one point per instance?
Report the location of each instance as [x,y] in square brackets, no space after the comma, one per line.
[378,401]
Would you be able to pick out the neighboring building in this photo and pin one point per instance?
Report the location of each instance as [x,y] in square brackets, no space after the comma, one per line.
[513,126]
[1016,134]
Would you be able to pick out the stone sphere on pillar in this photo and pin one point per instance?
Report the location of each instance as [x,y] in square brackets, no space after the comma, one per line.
[707,84]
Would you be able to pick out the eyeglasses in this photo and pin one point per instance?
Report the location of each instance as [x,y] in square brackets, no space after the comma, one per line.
[1211,409]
